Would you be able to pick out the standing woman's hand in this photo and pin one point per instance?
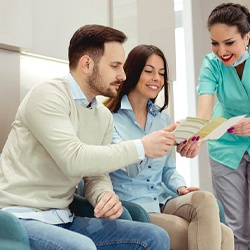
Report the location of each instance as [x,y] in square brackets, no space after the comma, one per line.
[241,128]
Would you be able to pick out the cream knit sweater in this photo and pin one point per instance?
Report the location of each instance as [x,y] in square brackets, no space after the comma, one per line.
[53,143]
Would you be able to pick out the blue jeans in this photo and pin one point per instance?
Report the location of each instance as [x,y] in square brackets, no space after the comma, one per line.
[92,233]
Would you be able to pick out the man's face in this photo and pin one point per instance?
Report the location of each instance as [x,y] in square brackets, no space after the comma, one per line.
[107,77]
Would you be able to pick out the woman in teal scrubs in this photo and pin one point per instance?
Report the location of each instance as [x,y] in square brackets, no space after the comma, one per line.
[226,73]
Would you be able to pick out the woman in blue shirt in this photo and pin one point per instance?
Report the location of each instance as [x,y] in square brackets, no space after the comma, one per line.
[191,219]
[226,72]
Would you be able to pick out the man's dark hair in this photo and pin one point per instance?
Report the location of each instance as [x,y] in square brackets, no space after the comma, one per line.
[90,39]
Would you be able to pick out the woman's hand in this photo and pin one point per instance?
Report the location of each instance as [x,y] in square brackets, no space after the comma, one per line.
[185,190]
[241,128]
[189,148]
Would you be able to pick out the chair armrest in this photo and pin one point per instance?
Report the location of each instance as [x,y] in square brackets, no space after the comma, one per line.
[81,207]
[12,232]
[137,212]
[222,212]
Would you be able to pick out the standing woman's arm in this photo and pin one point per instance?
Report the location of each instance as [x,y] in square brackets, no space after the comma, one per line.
[205,106]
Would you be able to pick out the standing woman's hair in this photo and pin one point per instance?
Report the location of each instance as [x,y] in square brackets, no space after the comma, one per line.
[232,15]
[133,68]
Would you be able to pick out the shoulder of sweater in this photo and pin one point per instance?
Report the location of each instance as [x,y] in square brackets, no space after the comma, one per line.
[54,82]
[48,91]
[50,85]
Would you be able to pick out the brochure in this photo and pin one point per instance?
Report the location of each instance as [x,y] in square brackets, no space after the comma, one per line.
[207,129]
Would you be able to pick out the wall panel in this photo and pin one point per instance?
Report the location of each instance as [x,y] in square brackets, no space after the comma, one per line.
[9,91]
[15,24]
[55,21]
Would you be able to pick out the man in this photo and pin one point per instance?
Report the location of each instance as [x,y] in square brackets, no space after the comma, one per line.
[62,134]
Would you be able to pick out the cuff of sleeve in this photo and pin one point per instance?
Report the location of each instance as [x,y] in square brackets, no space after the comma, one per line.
[140,149]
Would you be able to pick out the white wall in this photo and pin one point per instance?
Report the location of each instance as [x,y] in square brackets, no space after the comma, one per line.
[55,21]
[34,70]
[9,91]
[16,24]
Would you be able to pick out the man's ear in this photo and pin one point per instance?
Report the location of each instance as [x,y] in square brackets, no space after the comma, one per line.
[86,64]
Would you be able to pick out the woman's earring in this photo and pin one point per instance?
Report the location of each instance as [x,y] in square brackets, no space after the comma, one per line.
[247,41]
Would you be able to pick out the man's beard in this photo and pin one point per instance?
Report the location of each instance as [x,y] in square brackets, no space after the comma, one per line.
[96,83]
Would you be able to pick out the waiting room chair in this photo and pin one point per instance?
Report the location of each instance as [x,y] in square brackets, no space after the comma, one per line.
[12,233]
[131,211]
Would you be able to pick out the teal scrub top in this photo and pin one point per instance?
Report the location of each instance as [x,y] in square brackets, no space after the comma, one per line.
[233,96]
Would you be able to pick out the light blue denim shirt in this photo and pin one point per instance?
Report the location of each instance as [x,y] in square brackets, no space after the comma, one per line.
[144,183]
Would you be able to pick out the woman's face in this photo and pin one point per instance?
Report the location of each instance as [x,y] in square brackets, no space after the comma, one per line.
[151,80]
[227,43]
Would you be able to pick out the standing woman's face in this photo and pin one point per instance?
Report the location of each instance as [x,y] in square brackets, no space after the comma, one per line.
[227,43]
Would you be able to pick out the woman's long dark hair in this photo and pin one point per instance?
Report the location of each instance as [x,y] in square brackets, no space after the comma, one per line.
[133,68]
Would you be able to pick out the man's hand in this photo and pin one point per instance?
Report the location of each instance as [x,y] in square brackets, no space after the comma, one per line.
[109,206]
[158,143]
[185,190]
[171,127]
